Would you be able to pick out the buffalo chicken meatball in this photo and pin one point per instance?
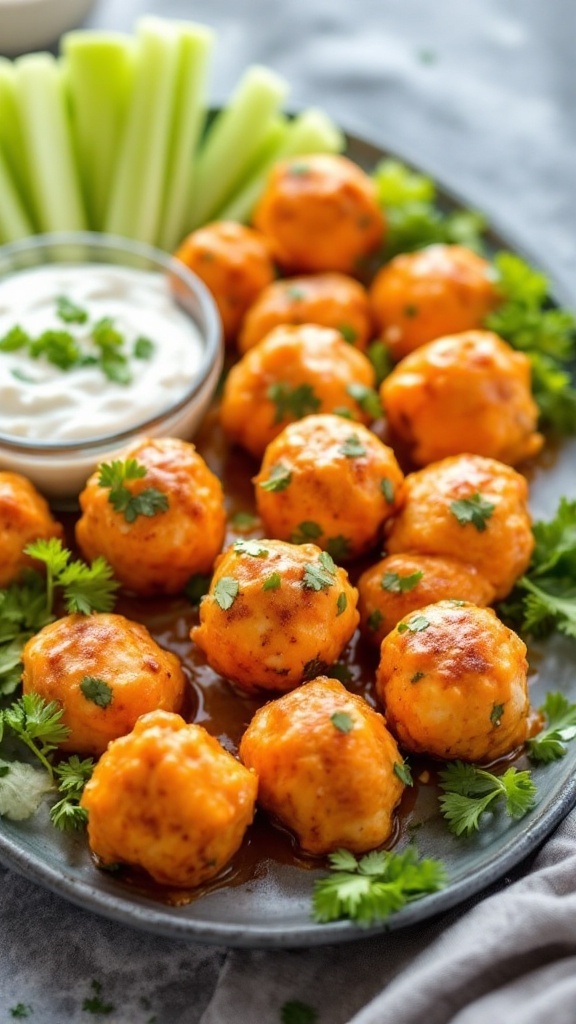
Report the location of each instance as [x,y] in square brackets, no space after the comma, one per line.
[423,295]
[169,799]
[330,300]
[105,671]
[320,213]
[166,525]
[327,767]
[470,508]
[295,371]
[235,264]
[24,517]
[275,612]
[331,476]
[452,680]
[465,393]
[401,583]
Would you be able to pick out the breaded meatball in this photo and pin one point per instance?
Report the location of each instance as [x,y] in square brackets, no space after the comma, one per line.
[320,213]
[419,296]
[24,517]
[468,392]
[105,671]
[160,549]
[334,477]
[400,584]
[330,300]
[168,798]
[452,680]
[327,767]
[470,508]
[235,264]
[275,614]
[293,372]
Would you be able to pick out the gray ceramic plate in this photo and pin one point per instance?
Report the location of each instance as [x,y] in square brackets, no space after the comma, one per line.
[274,909]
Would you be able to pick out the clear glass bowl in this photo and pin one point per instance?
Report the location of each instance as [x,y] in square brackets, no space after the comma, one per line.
[59,469]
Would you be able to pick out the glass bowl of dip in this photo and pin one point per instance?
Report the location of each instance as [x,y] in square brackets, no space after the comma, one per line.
[102,340]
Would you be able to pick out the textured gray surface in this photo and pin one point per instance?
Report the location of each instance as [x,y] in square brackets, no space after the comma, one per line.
[481,94]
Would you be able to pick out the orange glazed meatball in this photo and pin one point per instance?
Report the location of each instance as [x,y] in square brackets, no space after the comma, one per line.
[452,679]
[470,508]
[294,372]
[168,798]
[274,614]
[466,393]
[326,767]
[156,550]
[235,264]
[24,517]
[320,213]
[330,300]
[331,480]
[400,584]
[105,671]
[423,295]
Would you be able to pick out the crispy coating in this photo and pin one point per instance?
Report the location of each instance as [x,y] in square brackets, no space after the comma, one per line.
[432,523]
[399,584]
[138,676]
[320,213]
[452,679]
[169,799]
[330,300]
[293,372]
[24,517]
[235,264]
[275,613]
[325,762]
[469,392]
[333,473]
[419,296]
[157,554]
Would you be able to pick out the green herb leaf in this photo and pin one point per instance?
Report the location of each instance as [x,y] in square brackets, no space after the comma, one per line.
[342,721]
[375,620]
[496,714]
[319,575]
[475,510]
[341,604]
[274,582]
[367,399]
[417,677]
[97,690]
[402,770]
[416,625]
[143,348]
[115,475]
[348,333]
[20,1011]
[338,547]
[244,521]
[305,532]
[197,588]
[14,339]
[469,791]
[254,548]
[293,402]
[278,480]
[59,347]
[387,488]
[69,311]
[549,744]
[397,584]
[352,447]
[72,776]
[95,1003]
[225,592]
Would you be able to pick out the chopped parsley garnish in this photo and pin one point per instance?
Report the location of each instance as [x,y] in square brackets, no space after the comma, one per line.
[338,547]
[306,531]
[469,791]
[225,592]
[273,582]
[342,721]
[143,348]
[370,889]
[253,548]
[14,339]
[475,510]
[402,770]
[397,584]
[416,625]
[367,399]
[115,475]
[244,521]
[294,293]
[313,668]
[387,488]
[69,311]
[278,479]
[319,575]
[339,670]
[95,1003]
[59,347]
[293,402]
[348,332]
[197,587]
[342,603]
[20,1011]
[375,620]
[496,714]
[560,715]
[379,355]
[97,690]
[38,724]
[352,447]
[72,776]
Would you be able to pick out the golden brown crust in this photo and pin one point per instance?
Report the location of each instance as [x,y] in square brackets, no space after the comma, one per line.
[24,517]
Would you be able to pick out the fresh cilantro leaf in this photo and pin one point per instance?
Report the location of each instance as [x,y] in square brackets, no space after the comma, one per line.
[475,510]
[368,890]
[115,475]
[143,348]
[560,715]
[338,547]
[496,714]
[69,311]
[225,592]
[197,587]
[402,770]
[343,411]
[20,1011]
[88,588]
[342,603]
[397,584]
[342,721]
[293,402]
[254,548]
[387,488]
[367,399]
[348,332]
[116,368]
[72,776]
[375,620]
[305,532]
[295,1012]
[14,339]
[352,447]
[278,480]
[97,690]
[319,575]
[379,355]
[273,582]
[554,394]
[416,625]
[244,521]
[59,347]
[38,724]
[469,791]
[341,672]
[95,1003]
[19,374]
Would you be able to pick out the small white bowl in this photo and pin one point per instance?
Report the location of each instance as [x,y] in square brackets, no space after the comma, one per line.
[33,24]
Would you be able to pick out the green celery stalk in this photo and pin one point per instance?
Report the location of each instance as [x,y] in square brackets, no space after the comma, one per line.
[99,69]
[233,140]
[135,201]
[194,49]
[54,178]
[310,132]
[14,221]
[11,136]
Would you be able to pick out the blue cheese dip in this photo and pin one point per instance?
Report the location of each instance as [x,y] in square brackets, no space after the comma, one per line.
[42,402]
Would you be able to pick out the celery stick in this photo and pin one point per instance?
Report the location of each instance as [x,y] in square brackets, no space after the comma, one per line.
[194,45]
[135,201]
[11,137]
[310,132]
[99,68]
[14,221]
[233,139]
[46,127]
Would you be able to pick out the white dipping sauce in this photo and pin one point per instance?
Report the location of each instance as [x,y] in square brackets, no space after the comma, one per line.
[47,404]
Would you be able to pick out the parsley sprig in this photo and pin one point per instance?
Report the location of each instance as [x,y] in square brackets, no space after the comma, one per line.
[469,791]
[293,402]
[549,744]
[368,890]
[475,510]
[115,475]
